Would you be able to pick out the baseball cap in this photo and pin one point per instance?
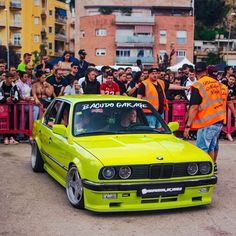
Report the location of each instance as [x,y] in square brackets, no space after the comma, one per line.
[212,71]
[200,66]
[154,70]
[82,52]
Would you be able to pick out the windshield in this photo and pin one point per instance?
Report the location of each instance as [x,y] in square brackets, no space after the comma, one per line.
[121,117]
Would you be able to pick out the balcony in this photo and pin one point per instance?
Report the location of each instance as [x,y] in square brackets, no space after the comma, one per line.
[43,14]
[2,24]
[2,4]
[43,34]
[15,44]
[15,6]
[60,20]
[15,25]
[132,60]
[135,41]
[132,20]
[60,37]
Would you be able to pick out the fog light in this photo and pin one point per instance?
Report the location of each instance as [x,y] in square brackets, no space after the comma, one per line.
[109,196]
[204,190]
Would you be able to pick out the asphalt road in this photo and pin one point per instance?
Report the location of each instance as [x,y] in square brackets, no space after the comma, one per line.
[34,204]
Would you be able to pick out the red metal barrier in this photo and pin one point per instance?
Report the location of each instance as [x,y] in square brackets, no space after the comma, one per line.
[177,112]
[13,117]
[230,125]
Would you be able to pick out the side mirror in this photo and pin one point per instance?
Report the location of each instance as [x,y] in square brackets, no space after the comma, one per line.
[173,126]
[60,129]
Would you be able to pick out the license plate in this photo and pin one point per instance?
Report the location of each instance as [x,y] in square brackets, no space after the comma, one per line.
[156,192]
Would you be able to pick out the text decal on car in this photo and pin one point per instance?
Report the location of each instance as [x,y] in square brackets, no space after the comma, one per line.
[160,192]
[111,105]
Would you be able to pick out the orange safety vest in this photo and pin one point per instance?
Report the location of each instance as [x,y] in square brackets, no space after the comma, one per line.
[151,94]
[213,106]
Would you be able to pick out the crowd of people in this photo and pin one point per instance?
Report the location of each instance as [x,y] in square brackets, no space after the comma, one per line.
[71,76]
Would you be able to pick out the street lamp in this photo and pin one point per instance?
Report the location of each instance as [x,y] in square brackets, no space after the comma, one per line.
[7,44]
[230,27]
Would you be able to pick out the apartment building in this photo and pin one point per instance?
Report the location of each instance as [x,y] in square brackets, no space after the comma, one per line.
[27,24]
[120,32]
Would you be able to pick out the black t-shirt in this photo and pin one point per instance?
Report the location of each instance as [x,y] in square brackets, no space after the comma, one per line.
[232,90]
[121,86]
[70,78]
[57,85]
[141,91]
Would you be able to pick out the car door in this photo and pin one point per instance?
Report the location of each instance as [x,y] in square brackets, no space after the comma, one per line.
[61,149]
[46,134]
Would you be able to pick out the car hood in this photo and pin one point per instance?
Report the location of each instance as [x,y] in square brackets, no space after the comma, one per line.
[141,149]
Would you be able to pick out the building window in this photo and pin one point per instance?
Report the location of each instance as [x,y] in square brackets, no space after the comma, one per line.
[100,52]
[36,20]
[36,38]
[37,2]
[180,55]
[123,53]
[17,19]
[82,34]
[17,39]
[161,54]
[50,13]
[50,46]
[101,32]
[181,37]
[163,36]
[50,29]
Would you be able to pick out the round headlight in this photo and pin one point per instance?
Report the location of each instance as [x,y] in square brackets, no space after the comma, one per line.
[108,172]
[192,169]
[205,168]
[125,172]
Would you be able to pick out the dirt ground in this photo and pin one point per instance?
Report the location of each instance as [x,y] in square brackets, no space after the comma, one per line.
[34,204]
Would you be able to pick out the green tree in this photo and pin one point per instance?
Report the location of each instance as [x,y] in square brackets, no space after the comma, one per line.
[37,54]
[214,58]
[210,12]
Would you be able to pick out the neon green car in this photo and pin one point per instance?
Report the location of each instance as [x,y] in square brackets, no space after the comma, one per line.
[115,153]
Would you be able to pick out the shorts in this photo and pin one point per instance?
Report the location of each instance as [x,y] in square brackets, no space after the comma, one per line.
[207,138]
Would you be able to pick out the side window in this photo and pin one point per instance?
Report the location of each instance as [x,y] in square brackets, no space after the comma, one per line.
[51,115]
[64,115]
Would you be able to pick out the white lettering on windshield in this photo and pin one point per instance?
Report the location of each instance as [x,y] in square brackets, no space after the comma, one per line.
[111,105]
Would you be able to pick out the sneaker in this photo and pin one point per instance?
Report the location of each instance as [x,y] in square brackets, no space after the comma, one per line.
[215,169]
[13,141]
[6,141]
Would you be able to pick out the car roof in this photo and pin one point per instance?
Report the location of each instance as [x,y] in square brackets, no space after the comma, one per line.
[93,97]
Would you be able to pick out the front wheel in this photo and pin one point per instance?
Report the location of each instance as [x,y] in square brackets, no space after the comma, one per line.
[36,159]
[74,188]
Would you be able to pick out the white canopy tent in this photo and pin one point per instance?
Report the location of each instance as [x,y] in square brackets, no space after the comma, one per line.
[175,68]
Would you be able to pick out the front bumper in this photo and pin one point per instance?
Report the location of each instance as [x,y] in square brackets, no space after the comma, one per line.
[141,196]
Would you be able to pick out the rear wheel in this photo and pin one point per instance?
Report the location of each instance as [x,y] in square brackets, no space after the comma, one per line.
[74,188]
[36,159]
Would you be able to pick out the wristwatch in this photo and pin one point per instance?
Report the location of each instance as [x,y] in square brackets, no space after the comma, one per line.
[187,126]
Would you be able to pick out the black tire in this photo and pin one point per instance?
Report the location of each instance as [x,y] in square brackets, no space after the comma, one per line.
[36,159]
[74,188]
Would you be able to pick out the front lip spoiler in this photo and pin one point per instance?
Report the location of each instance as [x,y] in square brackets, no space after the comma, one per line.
[135,186]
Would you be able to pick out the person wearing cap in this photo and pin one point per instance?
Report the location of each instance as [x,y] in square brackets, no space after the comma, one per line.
[154,90]
[82,63]
[207,111]
[26,61]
